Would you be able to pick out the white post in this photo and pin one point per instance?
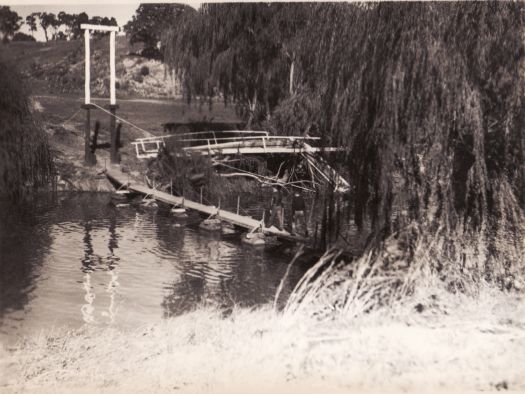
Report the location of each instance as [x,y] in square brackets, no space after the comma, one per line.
[113,99]
[87,68]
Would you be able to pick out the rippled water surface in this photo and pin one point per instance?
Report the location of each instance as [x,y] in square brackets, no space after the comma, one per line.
[75,259]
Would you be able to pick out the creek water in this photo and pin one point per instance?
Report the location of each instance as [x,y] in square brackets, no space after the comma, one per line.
[73,259]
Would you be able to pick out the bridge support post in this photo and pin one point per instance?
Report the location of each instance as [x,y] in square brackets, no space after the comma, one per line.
[114,156]
[89,156]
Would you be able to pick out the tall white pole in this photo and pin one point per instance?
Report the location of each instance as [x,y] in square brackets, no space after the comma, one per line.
[87,68]
[113,99]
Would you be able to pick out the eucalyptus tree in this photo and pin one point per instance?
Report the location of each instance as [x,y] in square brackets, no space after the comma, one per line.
[66,20]
[55,25]
[10,22]
[46,20]
[78,19]
[148,23]
[31,23]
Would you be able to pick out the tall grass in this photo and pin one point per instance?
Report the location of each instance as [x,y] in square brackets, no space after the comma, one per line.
[25,159]
[408,261]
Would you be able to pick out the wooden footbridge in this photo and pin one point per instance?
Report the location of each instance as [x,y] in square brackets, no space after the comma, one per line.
[118,177]
[244,142]
[211,143]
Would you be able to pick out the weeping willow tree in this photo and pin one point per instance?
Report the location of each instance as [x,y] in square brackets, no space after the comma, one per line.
[242,52]
[25,159]
[427,98]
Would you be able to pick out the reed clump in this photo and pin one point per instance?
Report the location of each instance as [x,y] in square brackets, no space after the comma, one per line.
[25,159]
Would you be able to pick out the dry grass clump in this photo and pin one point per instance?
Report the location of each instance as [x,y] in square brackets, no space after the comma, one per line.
[460,261]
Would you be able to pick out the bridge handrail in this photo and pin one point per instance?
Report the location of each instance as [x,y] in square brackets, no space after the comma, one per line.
[206,132]
[252,138]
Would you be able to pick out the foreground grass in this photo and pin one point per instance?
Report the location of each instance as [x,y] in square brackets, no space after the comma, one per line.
[433,341]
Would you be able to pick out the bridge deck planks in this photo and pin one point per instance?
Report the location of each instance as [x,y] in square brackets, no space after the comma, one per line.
[247,222]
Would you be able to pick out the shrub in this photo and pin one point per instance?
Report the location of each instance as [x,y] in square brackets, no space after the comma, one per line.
[144,70]
[151,53]
[19,36]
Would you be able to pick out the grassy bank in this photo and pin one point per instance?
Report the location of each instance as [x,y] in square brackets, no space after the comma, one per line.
[58,66]
[64,122]
[432,341]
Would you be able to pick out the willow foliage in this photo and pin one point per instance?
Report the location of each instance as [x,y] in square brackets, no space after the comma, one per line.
[242,52]
[427,97]
[25,159]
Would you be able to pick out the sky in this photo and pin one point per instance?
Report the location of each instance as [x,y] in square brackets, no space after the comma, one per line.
[122,10]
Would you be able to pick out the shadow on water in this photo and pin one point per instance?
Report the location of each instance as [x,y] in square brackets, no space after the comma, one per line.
[24,237]
[216,269]
[77,260]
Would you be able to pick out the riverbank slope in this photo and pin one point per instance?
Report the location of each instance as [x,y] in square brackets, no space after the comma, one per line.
[64,122]
[432,342]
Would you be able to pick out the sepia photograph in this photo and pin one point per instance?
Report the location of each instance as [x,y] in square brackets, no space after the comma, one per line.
[262,197]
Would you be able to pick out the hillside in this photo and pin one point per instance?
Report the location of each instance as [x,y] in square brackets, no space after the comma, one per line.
[58,67]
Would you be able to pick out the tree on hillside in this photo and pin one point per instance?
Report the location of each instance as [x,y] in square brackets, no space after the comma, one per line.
[31,23]
[10,22]
[19,36]
[55,25]
[77,20]
[98,20]
[67,21]
[148,23]
[46,20]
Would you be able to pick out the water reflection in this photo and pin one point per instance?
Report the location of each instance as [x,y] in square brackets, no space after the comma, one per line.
[80,261]
[92,262]
[113,283]
[22,238]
